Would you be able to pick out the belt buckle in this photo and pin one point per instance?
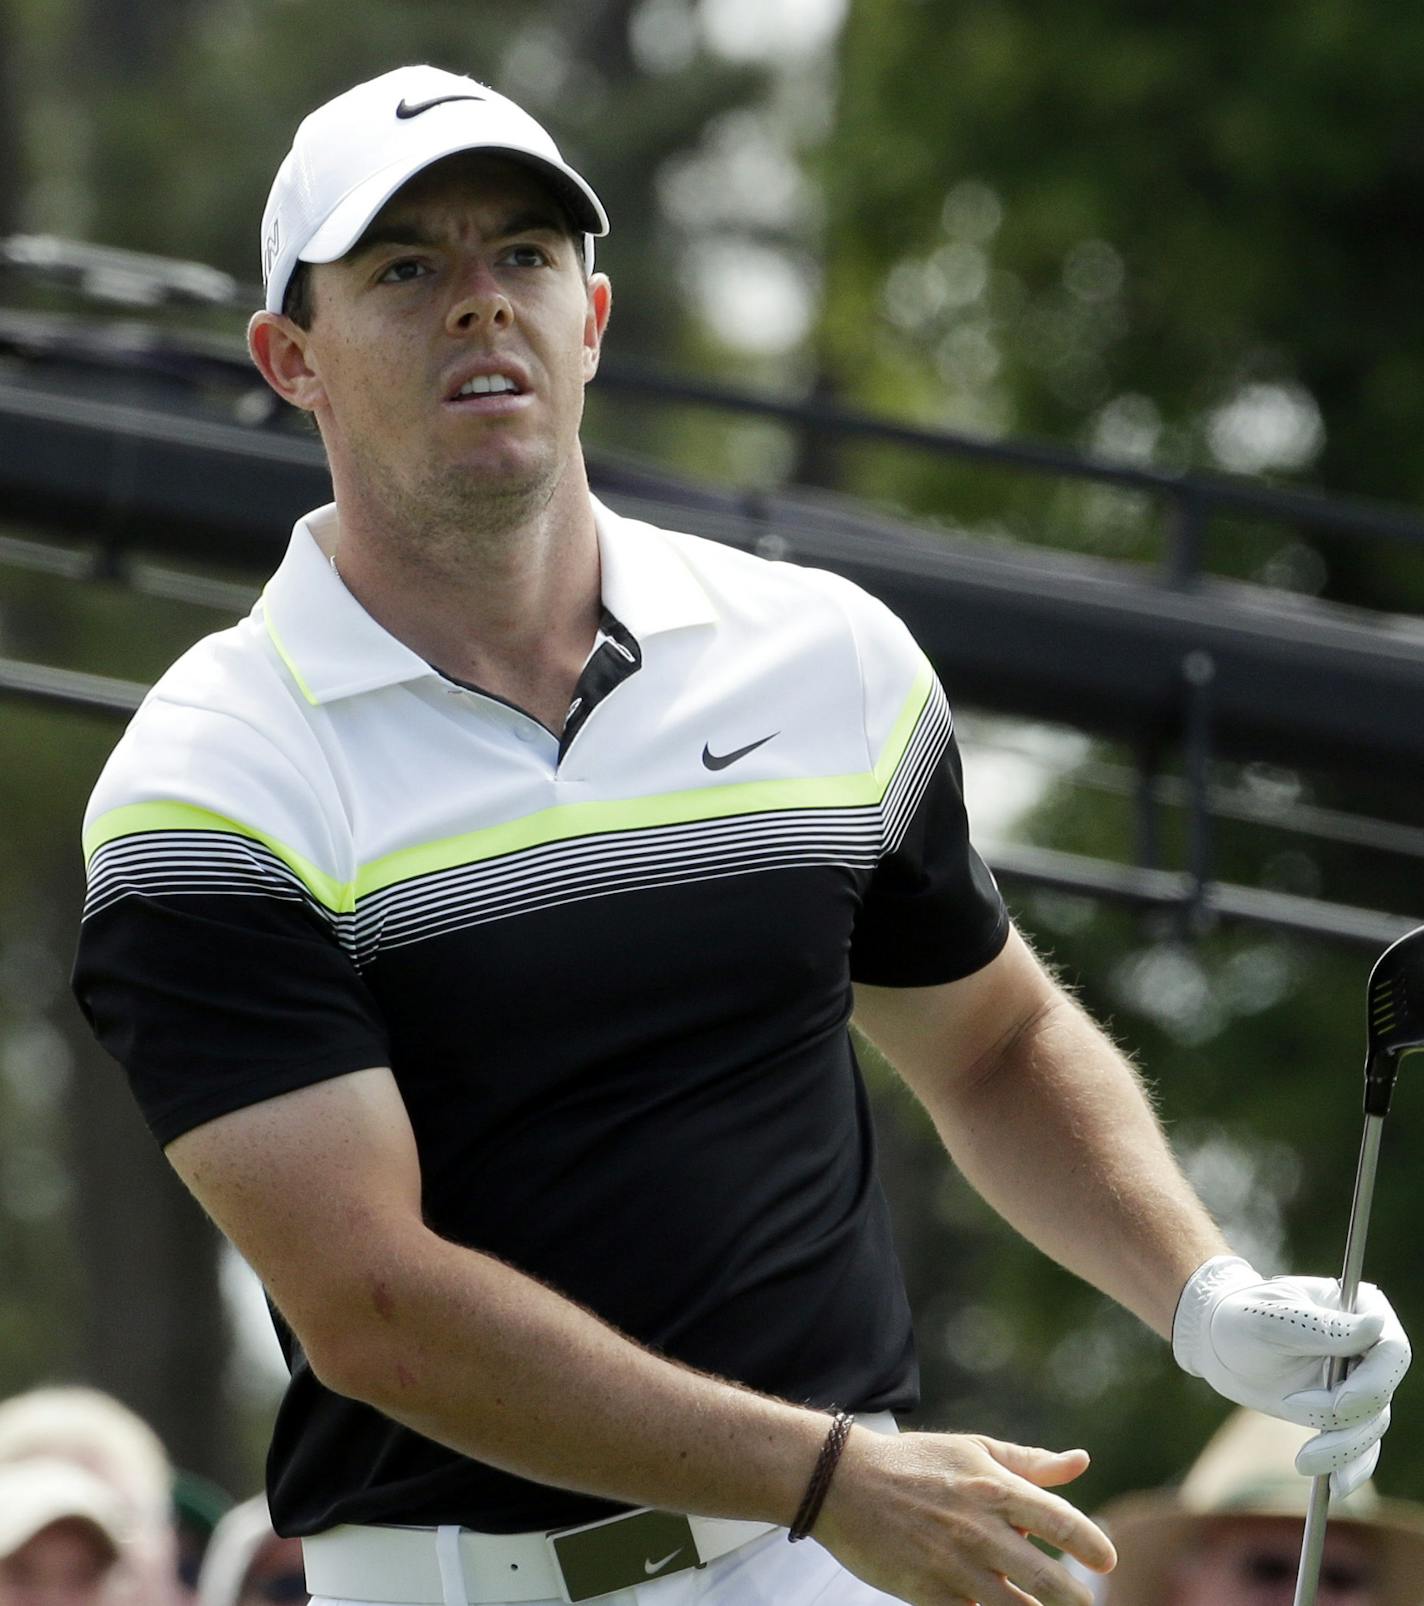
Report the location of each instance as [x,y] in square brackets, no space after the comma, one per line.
[621,1552]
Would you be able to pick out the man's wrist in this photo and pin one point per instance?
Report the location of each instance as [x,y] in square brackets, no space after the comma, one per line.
[820,1481]
[1199,1295]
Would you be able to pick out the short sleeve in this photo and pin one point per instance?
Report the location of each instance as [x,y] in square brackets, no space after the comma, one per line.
[213,991]
[215,958]
[931,911]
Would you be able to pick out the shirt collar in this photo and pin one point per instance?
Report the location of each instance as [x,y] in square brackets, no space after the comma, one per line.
[333,648]
[647,584]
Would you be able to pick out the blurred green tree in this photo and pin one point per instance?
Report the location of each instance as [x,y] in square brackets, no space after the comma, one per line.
[1181,237]
[11,176]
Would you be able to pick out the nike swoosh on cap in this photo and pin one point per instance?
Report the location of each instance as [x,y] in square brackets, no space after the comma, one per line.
[405,109]
[719,761]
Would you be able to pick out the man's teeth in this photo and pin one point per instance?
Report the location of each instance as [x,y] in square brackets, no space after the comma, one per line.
[487,385]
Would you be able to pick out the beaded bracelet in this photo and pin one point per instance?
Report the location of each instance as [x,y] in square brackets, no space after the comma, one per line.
[820,1483]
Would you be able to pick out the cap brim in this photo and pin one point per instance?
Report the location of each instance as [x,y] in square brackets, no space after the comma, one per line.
[1152,1531]
[40,1493]
[352,215]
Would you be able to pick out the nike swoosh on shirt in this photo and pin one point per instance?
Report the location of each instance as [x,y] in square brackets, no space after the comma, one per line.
[719,761]
[651,1567]
[405,109]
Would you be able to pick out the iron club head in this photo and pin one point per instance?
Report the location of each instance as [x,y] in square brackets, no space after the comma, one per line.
[1394,1016]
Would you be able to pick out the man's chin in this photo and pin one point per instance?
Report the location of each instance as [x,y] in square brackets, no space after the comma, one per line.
[504,487]
[500,461]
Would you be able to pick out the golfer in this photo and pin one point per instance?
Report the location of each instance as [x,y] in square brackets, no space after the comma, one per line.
[480,923]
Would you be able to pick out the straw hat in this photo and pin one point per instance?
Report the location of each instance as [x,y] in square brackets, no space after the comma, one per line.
[1248,1469]
[38,1492]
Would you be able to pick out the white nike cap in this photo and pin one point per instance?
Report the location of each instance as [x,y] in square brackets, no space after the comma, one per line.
[352,154]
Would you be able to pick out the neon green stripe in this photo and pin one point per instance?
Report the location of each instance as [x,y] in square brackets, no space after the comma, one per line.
[563,823]
[904,727]
[282,652]
[133,818]
[568,821]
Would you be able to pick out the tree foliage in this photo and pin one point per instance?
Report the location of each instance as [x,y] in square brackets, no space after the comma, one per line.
[1181,236]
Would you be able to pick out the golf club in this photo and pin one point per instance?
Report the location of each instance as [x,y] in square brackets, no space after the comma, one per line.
[1394,1028]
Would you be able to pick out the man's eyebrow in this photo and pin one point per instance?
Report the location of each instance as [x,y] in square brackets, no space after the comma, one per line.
[393,233]
[532,221]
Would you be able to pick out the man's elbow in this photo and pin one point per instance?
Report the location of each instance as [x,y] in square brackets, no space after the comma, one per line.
[365,1364]
[356,1336]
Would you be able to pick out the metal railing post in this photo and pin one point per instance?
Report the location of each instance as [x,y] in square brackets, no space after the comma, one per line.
[1186,538]
[1198,678]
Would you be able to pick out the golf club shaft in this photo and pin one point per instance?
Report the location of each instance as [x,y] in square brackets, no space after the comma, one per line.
[1312,1547]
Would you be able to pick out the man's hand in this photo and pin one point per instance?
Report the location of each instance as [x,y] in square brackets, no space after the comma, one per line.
[941,1519]
[1265,1343]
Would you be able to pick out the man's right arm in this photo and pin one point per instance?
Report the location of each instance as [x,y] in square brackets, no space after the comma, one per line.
[319,1189]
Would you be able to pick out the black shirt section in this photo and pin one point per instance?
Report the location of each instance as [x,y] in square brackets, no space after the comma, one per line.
[616,656]
[209,1000]
[710,1190]
[932,912]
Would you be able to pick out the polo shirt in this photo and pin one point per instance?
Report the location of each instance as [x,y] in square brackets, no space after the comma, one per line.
[610,970]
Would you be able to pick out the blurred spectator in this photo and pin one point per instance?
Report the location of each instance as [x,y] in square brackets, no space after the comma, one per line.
[198,1506]
[248,1565]
[1230,1534]
[62,1536]
[92,1429]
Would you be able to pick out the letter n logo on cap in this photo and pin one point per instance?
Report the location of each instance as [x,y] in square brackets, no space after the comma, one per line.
[270,249]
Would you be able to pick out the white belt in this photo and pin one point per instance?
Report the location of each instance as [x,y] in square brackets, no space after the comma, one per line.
[459,1567]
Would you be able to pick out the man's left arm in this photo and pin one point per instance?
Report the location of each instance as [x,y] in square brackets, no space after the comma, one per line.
[1052,1125]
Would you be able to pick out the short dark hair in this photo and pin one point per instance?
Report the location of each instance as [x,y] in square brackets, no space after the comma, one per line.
[299,298]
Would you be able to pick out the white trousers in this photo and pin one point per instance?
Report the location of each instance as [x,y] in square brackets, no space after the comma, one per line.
[768,1572]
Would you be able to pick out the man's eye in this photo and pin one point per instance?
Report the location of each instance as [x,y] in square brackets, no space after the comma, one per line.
[528,256]
[403,272]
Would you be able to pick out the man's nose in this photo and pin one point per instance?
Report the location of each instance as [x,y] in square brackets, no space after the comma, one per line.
[480,302]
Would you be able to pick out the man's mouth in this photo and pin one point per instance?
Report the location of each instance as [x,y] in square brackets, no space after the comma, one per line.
[489,385]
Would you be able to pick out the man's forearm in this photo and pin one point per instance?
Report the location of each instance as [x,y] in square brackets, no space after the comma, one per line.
[471,1352]
[1055,1131]
[481,1357]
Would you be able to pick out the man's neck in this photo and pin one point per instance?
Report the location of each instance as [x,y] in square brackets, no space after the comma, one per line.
[514,612]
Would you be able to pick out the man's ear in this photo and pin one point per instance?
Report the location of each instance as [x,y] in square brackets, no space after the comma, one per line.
[600,304]
[279,348]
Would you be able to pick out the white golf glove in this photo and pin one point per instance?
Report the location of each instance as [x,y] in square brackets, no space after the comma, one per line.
[1266,1343]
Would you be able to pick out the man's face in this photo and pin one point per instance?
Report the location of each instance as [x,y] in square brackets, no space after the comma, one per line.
[1252,1561]
[468,273]
[65,1564]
